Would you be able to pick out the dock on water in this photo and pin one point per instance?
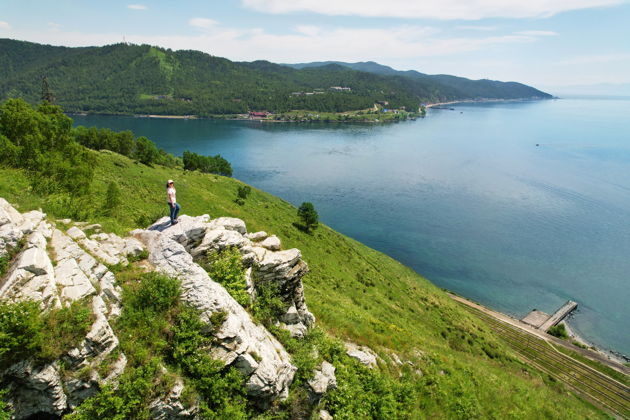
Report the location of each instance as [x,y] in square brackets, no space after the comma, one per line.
[543,321]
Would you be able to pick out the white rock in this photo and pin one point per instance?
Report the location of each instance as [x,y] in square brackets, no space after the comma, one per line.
[323,381]
[8,214]
[132,248]
[40,390]
[188,231]
[37,240]
[256,236]
[363,354]
[75,233]
[238,335]
[228,223]
[325,415]
[35,260]
[218,239]
[271,243]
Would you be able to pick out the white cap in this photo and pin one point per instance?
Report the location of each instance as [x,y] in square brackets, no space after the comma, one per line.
[170,181]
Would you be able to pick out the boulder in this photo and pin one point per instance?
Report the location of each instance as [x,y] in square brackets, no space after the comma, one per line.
[363,354]
[188,231]
[272,373]
[219,239]
[228,223]
[171,407]
[256,236]
[325,415]
[9,215]
[323,381]
[75,233]
[272,243]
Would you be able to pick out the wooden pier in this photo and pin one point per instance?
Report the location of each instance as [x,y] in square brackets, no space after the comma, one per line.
[543,321]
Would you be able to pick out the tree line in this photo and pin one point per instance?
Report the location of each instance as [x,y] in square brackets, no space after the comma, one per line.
[42,140]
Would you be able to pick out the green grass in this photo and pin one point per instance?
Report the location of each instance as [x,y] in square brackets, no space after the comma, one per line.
[355,292]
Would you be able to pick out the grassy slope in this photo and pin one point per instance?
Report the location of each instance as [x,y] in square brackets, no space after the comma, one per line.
[355,292]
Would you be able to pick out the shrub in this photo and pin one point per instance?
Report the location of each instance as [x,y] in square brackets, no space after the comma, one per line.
[20,332]
[242,192]
[64,329]
[308,215]
[559,331]
[268,305]
[25,332]
[226,268]
[222,389]
[112,198]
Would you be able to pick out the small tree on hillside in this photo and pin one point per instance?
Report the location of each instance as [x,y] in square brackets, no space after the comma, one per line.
[308,215]
[112,198]
[146,151]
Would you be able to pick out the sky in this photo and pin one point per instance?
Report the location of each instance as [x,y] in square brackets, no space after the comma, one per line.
[544,43]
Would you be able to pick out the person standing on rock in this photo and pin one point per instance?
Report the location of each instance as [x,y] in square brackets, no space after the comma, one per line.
[172,201]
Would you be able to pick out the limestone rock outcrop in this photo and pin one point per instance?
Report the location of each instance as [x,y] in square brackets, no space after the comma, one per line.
[61,263]
[200,235]
[54,270]
[240,342]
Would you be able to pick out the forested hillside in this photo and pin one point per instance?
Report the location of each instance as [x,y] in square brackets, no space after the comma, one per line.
[460,86]
[141,79]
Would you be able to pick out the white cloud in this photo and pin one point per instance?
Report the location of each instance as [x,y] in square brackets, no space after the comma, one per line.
[137,7]
[476,28]
[309,30]
[405,43]
[444,9]
[4,26]
[202,23]
[537,33]
[54,27]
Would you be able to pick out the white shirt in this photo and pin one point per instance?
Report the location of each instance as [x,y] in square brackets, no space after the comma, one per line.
[171,195]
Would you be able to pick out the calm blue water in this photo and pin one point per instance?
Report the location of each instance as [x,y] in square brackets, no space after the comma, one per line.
[464,197]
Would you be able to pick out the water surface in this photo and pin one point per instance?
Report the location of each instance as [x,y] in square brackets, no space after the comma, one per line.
[516,205]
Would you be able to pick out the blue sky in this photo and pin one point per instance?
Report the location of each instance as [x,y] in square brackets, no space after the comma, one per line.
[540,42]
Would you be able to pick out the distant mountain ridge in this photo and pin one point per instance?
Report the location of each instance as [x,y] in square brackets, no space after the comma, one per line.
[483,88]
[142,79]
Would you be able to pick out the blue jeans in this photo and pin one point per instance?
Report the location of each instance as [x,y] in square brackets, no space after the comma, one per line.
[174,211]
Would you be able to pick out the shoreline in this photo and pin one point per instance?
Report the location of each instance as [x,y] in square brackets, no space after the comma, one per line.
[481,101]
[610,358]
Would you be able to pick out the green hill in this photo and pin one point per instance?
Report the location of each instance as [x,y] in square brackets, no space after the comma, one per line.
[141,79]
[452,366]
[461,87]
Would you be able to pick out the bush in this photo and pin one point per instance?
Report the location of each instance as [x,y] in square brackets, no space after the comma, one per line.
[242,192]
[25,332]
[20,332]
[112,198]
[308,215]
[226,268]
[559,331]
[268,305]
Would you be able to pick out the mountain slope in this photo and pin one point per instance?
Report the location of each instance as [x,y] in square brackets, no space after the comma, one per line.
[460,86]
[140,79]
[436,360]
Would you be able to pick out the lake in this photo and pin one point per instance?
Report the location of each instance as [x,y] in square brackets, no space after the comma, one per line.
[516,205]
